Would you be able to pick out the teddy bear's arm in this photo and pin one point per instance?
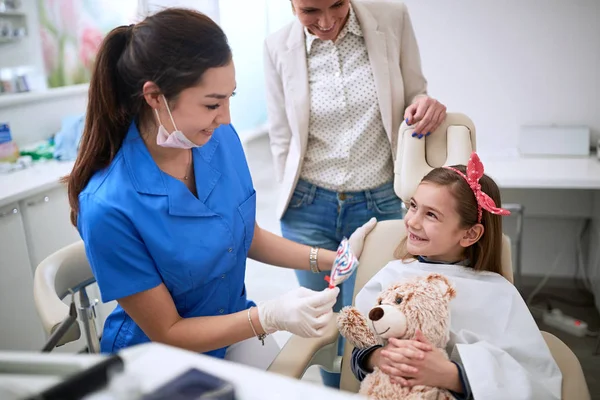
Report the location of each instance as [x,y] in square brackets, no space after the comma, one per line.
[353,326]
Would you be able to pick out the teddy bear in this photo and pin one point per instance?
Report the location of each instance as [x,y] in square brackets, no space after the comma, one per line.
[420,303]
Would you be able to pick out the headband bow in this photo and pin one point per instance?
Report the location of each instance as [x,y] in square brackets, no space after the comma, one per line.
[474,173]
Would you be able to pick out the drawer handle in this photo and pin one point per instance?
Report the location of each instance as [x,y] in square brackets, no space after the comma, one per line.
[7,213]
[44,199]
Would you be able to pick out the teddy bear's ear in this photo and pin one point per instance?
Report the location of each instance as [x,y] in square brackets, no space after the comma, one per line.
[443,284]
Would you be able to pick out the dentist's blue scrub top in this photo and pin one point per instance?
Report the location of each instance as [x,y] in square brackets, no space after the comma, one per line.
[142,227]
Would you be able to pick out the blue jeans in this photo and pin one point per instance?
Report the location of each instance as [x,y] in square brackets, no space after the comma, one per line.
[322,218]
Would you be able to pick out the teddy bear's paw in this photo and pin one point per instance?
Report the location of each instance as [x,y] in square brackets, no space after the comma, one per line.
[353,326]
[378,386]
[428,393]
[445,395]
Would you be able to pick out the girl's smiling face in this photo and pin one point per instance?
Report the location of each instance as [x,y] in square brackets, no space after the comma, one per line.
[433,225]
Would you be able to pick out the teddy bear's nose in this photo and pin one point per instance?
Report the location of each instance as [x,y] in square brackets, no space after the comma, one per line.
[376,314]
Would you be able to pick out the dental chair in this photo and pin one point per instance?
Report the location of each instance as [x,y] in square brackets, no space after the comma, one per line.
[452,143]
[61,275]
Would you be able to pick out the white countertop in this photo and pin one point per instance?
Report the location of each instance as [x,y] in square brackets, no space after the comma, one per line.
[149,366]
[515,172]
[17,185]
[509,172]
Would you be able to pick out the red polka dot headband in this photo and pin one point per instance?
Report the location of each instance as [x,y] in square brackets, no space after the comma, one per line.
[474,173]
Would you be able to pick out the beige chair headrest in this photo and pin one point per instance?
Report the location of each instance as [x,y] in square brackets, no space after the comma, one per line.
[450,144]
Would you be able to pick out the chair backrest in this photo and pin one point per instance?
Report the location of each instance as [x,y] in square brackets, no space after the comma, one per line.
[67,269]
[452,143]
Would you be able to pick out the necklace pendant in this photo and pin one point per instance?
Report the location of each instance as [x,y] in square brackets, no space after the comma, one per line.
[185,178]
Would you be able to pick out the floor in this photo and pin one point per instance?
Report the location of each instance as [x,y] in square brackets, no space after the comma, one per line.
[266,282]
[587,348]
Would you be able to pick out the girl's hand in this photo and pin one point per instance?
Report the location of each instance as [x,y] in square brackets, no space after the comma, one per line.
[391,358]
[430,368]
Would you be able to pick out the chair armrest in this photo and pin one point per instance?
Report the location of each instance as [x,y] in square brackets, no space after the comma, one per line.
[300,353]
[574,385]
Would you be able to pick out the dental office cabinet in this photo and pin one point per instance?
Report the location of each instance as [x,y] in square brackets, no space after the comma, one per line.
[34,223]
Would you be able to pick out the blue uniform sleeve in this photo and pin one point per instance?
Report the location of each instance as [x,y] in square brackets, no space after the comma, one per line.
[119,258]
[359,361]
[466,394]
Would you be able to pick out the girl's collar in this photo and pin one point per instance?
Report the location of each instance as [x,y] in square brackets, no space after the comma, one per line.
[425,260]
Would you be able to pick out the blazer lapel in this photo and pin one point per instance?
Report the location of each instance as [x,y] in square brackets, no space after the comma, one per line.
[376,43]
[296,75]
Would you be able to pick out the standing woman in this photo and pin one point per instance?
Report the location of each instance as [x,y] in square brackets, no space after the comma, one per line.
[340,80]
[163,199]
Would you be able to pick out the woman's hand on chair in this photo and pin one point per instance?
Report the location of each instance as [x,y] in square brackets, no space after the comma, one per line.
[427,113]
[357,239]
[408,366]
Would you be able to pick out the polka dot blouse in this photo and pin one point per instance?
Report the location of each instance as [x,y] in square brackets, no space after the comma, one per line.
[348,149]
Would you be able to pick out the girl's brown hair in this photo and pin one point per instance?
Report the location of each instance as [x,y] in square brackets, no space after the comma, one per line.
[485,255]
[173,49]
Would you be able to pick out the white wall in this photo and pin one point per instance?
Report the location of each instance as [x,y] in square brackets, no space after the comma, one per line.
[208,7]
[246,24]
[514,62]
[279,13]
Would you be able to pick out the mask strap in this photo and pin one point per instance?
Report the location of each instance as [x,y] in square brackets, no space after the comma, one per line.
[157,117]
[169,111]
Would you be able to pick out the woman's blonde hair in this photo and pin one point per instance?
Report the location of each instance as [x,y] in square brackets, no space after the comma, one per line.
[485,255]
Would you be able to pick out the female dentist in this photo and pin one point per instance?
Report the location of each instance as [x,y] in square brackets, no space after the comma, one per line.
[163,199]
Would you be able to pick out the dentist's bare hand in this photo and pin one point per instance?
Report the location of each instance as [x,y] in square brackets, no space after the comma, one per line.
[303,312]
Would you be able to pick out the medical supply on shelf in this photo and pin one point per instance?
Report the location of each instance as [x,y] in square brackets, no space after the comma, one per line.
[9,151]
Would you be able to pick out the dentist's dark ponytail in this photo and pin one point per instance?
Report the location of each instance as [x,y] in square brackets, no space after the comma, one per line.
[173,49]
[106,112]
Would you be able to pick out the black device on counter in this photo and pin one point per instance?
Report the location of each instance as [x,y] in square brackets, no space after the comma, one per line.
[194,385]
[83,383]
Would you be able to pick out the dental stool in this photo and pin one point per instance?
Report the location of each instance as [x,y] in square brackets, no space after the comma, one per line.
[452,143]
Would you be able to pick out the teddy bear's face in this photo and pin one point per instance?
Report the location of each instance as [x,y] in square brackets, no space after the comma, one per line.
[421,303]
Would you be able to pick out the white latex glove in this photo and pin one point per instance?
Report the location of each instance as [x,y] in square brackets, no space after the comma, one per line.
[303,312]
[357,239]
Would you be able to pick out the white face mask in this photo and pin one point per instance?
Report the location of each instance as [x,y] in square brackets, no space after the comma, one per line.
[175,140]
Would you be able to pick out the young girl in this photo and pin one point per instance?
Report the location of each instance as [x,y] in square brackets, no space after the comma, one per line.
[497,351]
